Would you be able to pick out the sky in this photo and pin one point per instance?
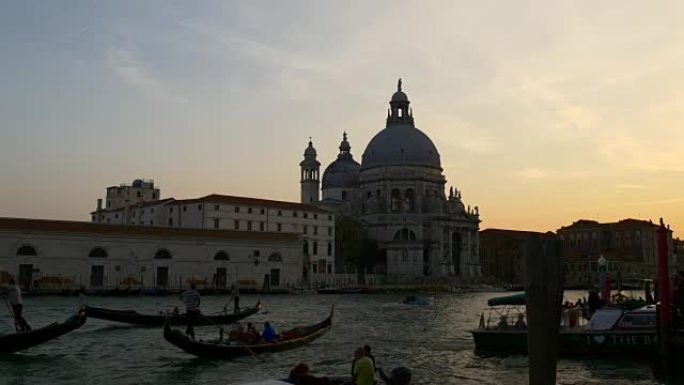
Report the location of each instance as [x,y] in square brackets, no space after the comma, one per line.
[543,112]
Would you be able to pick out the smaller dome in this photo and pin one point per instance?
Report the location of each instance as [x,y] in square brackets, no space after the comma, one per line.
[399,96]
[344,171]
[310,150]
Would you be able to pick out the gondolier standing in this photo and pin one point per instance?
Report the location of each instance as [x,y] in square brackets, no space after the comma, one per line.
[17,304]
[235,292]
[191,299]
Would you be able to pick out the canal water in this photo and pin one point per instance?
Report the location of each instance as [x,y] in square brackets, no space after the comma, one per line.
[434,341]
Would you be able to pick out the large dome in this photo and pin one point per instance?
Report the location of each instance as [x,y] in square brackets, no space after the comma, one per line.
[400,145]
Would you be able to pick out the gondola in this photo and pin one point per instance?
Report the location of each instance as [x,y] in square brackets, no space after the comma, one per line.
[135,318]
[225,350]
[11,343]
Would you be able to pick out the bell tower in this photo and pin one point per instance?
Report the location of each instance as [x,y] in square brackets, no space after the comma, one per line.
[310,178]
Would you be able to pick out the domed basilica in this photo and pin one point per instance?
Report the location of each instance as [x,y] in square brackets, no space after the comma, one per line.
[398,196]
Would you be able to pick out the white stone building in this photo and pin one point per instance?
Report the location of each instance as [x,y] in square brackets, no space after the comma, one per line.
[314,225]
[53,256]
[398,195]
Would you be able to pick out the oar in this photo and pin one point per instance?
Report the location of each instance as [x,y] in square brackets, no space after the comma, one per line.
[17,328]
[250,351]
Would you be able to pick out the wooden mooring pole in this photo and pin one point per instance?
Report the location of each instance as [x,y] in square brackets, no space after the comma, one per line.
[664,365]
[544,295]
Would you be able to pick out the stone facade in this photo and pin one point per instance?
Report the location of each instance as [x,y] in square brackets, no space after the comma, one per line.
[503,254]
[54,256]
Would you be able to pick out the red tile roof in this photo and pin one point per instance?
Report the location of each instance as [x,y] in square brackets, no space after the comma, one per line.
[47,225]
[228,199]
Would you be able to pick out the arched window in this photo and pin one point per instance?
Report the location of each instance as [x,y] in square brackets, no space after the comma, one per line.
[396,200]
[162,254]
[410,200]
[404,235]
[97,252]
[27,250]
[275,257]
[221,256]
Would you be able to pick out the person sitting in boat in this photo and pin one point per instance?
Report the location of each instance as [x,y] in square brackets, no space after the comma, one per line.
[503,322]
[251,329]
[301,375]
[269,334]
[398,376]
[520,323]
[364,371]
[191,299]
[16,302]
[594,302]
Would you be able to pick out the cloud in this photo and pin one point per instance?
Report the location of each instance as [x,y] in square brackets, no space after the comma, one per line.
[124,65]
[531,173]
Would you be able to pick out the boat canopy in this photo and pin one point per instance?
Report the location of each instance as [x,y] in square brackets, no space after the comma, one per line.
[515,299]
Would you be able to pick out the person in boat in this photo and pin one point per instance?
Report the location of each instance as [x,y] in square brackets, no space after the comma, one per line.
[520,323]
[301,375]
[364,371]
[191,299]
[594,302]
[398,376]
[235,293]
[16,302]
[269,334]
[251,329]
[503,322]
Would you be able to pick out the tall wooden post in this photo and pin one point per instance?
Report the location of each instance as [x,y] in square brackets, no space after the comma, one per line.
[544,295]
[664,317]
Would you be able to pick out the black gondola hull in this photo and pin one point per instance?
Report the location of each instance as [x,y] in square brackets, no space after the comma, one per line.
[135,318]
[11,343]
[222,350]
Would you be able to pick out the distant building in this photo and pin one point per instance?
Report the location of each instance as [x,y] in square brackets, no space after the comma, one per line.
[629,247]
[54,256]
[503,253]
[314,225]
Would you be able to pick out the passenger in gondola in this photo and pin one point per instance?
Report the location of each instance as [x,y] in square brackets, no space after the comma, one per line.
[16,302]
[364,371]
[520,323]
[253,330]
[301,375]
[191,299]
[269,334]
[503,322]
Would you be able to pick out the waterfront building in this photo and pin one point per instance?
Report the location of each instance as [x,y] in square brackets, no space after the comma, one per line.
[397,194]
[56,256]
[314,225]
[503,253]
[629,246]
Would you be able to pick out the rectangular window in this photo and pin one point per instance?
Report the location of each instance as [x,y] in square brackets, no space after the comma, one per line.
[329,269]
[116,216]
[237,209]
[294,214]
[261,226]
[315,248]
[263,211]
[257,253]
[151,222]
[151,211]
[170,209]
[306,229]
[185,208]
[249,225]
[315,230]
[199,207]
[306,215]
[315,216]
[216,223]
[275,277]
[330,217]
[329,248]
[237,225]
[134,212]
[280,227]
[142,212]
[280,213]
[170,222]
[217,207]
[249,210]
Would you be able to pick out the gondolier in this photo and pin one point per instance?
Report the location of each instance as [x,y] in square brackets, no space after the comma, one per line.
[235,292]
[16,302]
[191,299]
